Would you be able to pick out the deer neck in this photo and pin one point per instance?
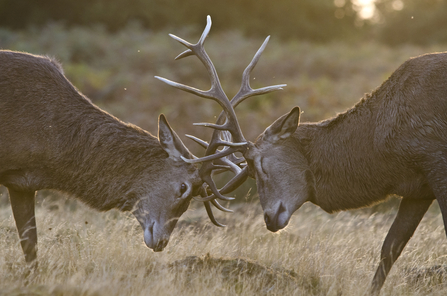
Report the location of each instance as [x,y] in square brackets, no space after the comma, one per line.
[343,157]
[102,159]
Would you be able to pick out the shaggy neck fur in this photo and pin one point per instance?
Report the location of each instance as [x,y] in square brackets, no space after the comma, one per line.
[104,158]
[341,155]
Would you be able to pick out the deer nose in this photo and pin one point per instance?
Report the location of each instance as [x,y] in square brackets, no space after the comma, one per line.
[276,220]
[155,242]
[267,219]
[271,222]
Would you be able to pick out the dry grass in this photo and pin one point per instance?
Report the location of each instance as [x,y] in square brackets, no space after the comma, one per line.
[82,252]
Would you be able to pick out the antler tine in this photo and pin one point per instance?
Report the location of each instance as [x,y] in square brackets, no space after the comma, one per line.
[201,41]
[193,90]
[246,91]
[204,194]
[208,167]
[232,158]
[230,162]
[205,144]
[211,157]
[201,142]
[230,186]
[210,214]
[207,178]
[220,207]
[216,92]
[206,30]
[215,203]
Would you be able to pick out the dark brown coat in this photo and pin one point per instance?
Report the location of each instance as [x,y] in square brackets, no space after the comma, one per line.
[52,137]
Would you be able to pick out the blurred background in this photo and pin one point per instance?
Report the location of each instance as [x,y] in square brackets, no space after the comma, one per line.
[389,21]
[328,52]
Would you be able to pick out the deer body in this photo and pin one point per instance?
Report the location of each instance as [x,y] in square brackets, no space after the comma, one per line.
[52,137]
[393,141]
[355,164]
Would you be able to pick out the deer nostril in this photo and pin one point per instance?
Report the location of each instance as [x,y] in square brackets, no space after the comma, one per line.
[267,219]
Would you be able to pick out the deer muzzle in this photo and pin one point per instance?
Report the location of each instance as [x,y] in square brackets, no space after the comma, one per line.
[276,219]
[153,239]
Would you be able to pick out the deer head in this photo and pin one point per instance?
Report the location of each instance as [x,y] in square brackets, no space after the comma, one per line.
[156,208]
[287,179]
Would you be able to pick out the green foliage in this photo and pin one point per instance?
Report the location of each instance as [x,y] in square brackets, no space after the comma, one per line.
[395,21]
[305,19]
[419,22]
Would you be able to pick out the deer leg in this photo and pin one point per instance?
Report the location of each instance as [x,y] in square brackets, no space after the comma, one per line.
[441,197]
[22,203]
[437,180]
[408,217]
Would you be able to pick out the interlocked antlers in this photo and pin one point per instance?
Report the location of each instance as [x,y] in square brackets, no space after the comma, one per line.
[227,122]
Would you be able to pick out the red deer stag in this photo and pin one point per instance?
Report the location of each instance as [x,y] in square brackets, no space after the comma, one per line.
[53,137]
[392,142]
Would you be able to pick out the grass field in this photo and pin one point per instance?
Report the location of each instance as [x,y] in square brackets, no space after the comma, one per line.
[83,252]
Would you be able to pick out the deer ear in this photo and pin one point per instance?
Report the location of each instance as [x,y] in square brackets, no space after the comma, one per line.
[170,141]
[283,127]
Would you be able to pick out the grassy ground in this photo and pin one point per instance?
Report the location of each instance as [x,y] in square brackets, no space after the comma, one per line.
[82,252]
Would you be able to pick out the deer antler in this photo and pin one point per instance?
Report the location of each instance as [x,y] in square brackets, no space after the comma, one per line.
[215,159]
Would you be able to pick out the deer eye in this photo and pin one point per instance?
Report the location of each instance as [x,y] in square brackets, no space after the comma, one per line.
[183,188]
